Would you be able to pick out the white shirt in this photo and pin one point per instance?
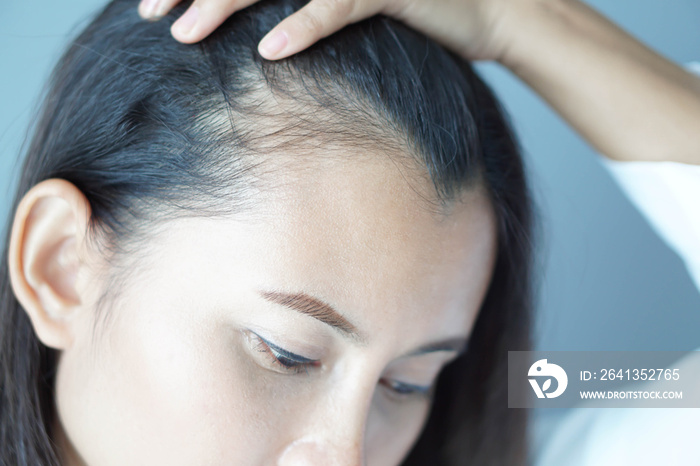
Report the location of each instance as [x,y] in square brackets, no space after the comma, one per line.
[668,195]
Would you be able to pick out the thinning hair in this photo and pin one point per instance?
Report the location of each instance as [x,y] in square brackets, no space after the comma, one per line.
[148,128]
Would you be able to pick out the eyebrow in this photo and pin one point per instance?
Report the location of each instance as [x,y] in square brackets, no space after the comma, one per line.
[324,312]
[305,304]
[457,345]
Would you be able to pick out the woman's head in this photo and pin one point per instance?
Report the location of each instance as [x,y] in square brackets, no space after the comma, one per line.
[222,260]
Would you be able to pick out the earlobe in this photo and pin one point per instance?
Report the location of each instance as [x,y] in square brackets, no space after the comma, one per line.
[44,258]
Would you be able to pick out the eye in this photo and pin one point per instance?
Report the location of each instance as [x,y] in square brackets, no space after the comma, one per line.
[281,360]
[402,391]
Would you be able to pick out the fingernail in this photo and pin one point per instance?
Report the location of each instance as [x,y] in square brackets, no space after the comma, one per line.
[272,45]
[187,21]
[147,8]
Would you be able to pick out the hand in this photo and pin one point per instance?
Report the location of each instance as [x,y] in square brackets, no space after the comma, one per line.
[594,74]
[471,28]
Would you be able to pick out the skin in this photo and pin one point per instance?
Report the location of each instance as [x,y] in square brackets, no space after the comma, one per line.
[627,101]
[174,376]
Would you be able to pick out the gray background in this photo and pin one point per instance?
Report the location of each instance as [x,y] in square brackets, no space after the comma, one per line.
[608,283]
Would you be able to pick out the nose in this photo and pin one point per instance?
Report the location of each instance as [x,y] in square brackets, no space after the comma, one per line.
[332,433]
[320,452]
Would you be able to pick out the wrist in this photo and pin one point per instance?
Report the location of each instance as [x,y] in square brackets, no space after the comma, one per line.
[522,27]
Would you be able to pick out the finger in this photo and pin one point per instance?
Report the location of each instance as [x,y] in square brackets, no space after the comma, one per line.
[316,20]
[203,16]
[155,9]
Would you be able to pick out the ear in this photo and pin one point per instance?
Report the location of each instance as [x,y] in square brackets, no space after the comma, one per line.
[45,258]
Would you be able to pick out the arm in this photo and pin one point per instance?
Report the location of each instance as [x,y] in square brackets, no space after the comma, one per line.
[627,101]
[624,99]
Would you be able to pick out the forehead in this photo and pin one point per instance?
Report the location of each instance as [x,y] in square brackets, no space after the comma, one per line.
[367,233]
[361,233]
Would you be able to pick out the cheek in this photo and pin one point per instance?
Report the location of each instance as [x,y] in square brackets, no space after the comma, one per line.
[392,430]
[163,390]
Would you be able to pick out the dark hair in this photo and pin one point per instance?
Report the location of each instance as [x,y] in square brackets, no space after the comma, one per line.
[147,127]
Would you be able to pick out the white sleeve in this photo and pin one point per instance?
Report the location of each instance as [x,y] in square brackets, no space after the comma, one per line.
[668,195]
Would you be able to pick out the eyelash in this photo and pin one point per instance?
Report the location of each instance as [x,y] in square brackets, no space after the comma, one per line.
[405,390]
[283,359]
[294,364]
